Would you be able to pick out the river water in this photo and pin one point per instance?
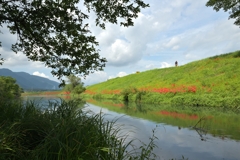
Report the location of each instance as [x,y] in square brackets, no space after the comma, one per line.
[195,133]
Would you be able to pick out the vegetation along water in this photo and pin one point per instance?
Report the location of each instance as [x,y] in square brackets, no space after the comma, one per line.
[59,130]
[64,43]
[198,133]
[210,82]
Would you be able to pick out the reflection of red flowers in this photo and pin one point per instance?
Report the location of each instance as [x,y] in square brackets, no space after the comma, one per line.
[178,115]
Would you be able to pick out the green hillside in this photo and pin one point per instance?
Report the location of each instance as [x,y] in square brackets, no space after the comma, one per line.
[214,81]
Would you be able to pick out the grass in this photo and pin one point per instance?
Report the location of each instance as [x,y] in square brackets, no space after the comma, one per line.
[63,132]
[212,81]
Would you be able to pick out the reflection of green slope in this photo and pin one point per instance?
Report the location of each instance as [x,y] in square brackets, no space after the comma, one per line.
[219,122]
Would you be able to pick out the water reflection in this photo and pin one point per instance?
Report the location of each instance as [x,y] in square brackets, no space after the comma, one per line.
[192,132]
[195,133]
[218,122]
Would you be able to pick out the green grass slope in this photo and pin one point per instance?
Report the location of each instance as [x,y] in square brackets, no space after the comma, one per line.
[214,81]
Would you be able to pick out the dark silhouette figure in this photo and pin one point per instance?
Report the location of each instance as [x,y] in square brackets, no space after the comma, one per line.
[176,64]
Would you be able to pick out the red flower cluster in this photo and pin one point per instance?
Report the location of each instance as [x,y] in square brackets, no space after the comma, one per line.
[89,92]
[163,90]
[66,92]
[111,92]
[190,89]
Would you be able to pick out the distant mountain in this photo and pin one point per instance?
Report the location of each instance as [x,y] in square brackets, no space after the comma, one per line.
[30,82]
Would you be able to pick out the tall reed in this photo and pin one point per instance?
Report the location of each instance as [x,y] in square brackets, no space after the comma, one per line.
[62,131]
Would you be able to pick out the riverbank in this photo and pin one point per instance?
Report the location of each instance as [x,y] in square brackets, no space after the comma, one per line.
[209,100]
[45,93]
[211,82]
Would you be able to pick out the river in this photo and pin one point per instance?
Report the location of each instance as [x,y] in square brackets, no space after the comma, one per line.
[195,133]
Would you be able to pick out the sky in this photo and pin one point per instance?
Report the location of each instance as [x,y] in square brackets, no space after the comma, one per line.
[167,31]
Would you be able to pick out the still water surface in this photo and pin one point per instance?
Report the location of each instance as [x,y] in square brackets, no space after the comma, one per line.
[196,134]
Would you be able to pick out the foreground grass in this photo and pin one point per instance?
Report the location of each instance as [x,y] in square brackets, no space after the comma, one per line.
[62,131]
[209,82]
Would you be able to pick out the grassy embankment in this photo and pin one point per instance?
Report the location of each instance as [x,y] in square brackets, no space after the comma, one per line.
[209,82]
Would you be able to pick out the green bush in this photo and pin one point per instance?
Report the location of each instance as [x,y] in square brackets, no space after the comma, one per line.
[9,90]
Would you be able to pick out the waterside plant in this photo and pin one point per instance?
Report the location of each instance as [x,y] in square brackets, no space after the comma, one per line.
[62,131]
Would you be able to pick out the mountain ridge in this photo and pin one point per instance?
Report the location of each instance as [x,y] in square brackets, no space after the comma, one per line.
[30,82]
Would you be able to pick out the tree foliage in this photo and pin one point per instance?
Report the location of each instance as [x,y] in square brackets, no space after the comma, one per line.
[75,85]
[233,6]
[74,80]
[9,89]
[56,32]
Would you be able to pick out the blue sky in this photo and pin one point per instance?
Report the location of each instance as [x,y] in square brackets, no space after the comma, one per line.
[182,30]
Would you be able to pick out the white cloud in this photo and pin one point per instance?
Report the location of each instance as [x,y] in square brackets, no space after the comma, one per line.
[12,59]
[150,66]
[165,65]
[106,37]
[154,65]
[121,74]
[36,73]
[6,38]
[129,44]
[122,53]
[167,31]
[172,43]
[95,77]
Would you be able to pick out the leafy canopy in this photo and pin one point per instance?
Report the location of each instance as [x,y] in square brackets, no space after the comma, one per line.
[74,85]
[56,32]
[9,89]
[233,6]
